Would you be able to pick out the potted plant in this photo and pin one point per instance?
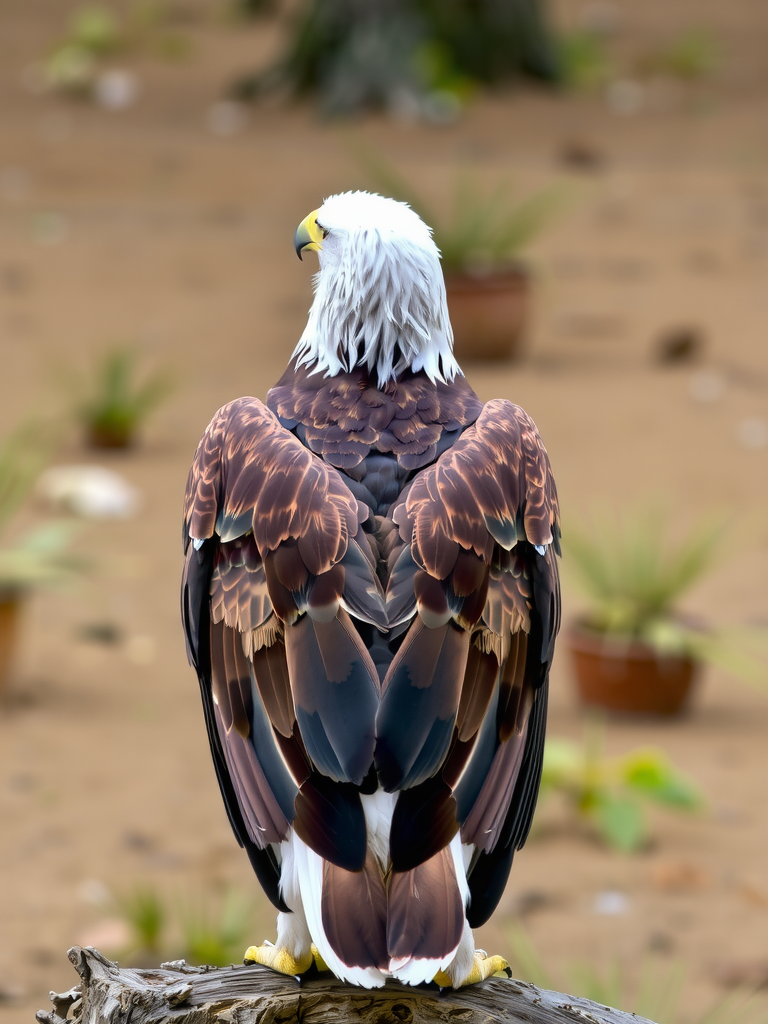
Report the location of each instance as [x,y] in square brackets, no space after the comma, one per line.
[634,650]
[39,557]
[115,403]
[481,240]
[488,284]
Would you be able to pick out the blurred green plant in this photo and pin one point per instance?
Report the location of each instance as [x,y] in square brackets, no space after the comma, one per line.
[202,929]
[23,454]
[413,57]
[41,556]
[634,575]
[693,55]
[484,228]
[612,792]
[97,31]
[114,402]
[216,935]
[144,912]
[584,60]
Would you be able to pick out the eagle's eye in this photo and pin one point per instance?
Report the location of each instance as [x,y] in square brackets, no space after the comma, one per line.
[324,230]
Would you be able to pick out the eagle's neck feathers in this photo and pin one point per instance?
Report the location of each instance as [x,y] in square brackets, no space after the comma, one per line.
[380,303]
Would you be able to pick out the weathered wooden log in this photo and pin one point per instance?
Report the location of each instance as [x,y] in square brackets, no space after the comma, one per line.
[176,992]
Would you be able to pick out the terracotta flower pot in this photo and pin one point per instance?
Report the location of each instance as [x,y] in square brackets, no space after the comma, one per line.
[629,676]
[489,312]
[100,436]
[10,606]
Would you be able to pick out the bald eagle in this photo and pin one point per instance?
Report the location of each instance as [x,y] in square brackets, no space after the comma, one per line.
[370,599]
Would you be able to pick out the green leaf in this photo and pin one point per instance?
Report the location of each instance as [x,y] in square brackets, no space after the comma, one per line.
[619,819]
[649,773]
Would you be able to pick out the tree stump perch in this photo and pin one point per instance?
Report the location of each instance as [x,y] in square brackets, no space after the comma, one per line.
[176,992]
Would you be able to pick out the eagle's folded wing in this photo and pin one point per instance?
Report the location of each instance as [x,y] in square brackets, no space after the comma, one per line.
[275,554]
[460,730]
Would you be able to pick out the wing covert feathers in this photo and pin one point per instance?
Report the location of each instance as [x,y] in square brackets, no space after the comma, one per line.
[250,474]
[493,486]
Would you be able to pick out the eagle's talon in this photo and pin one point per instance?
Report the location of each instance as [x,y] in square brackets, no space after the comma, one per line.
[319,963]
[484,966]
[278,959]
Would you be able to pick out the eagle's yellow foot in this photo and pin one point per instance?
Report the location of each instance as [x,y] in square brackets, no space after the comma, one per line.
[320,964]
[483,967]
[278,959]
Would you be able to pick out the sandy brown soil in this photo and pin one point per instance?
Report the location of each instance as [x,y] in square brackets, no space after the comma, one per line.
[181,241]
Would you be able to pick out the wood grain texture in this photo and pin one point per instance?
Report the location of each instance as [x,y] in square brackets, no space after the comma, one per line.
[176,992]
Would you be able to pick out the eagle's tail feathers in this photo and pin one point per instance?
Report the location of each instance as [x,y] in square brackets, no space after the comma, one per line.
[354,914]
[426,916]
[302,883]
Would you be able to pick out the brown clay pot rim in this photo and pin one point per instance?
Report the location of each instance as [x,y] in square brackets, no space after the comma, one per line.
[584,637]
[490,278]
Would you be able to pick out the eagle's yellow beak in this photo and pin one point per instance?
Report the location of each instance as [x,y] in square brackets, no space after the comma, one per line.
[309,235]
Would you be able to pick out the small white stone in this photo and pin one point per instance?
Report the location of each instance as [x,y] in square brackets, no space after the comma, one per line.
[707,386]
[753,432]
[89,491]
[610,903]
[94,891]
[116,89]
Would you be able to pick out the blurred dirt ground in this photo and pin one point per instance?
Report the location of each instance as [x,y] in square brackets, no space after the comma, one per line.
[144,226]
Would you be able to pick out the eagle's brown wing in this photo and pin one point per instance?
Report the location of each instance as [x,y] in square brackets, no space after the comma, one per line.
[275,555]
[460,728]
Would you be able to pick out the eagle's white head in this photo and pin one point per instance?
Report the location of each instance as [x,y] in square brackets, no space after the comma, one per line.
[379,296]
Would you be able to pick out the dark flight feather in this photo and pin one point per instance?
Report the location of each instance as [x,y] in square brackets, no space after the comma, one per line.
[196,618]
[330,820]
